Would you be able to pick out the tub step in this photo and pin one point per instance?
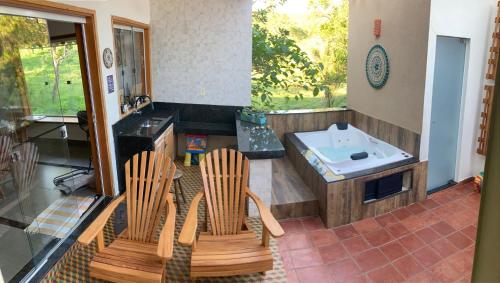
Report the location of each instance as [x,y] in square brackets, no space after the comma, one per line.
[292,198]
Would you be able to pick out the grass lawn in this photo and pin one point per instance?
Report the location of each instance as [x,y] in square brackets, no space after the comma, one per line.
[285,100]
[40,77]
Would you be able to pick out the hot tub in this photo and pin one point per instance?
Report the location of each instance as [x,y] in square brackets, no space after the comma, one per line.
[345,149]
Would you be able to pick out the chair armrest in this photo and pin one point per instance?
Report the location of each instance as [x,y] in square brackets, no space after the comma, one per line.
[91,232]
[188,232]
[166,241]
[267,218]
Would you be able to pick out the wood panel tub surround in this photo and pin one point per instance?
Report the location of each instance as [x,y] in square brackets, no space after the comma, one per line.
[295,121]
[345,198]
[399,137]
[342,202]
[306,121]
[291,197]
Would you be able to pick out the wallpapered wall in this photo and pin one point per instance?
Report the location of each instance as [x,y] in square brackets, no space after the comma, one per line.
[404,37]
[202,51]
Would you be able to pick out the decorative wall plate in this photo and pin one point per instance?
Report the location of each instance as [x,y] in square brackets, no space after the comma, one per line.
[107,57]
[377,67]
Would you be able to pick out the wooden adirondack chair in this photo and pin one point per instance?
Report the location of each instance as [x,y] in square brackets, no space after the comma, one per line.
[5,161]
[135,255]
[24,167]
[230,248]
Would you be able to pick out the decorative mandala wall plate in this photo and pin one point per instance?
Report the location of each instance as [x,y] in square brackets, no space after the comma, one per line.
[377,67]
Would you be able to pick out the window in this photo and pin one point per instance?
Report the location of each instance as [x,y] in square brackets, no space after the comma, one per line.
[44,56]
[299,54]
[130,54]
[53,79]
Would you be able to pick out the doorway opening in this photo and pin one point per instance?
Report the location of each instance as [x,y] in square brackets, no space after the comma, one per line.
[49,178]
[447,96]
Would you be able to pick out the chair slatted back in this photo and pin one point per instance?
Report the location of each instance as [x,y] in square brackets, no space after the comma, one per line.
[225,178]
[24,168]
[148,177]
[5,152]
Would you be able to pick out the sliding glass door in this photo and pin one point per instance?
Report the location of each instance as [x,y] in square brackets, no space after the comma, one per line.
[46,176]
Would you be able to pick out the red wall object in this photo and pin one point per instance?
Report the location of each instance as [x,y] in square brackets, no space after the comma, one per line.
[377,27]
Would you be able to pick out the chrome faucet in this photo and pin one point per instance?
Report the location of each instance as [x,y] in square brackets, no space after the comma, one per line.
[137,99]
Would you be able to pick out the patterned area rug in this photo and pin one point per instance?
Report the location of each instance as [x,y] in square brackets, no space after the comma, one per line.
[73,267]
[61,216]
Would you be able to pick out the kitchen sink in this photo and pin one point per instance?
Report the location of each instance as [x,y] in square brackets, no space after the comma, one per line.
[147,128]
[153,122]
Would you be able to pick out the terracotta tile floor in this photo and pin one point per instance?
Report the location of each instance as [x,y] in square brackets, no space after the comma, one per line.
[431,241]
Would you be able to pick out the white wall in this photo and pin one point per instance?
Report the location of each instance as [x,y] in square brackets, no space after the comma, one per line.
[464,19]
[202,51]
[131,9]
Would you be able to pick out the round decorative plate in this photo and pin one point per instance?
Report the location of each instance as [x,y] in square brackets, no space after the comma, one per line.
[377,67]
[107,57]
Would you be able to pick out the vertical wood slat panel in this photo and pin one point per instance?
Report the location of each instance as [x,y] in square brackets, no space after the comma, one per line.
[231,190]
[165,184]
[208,195]
[153,182]
[218,191]
[142,178]
[244,185]
[159,175]
[237,192]
[133,197]
[159,182]
[5,152]
[224,188]
[128,191]
[147,193]
[152,194]
[213,195]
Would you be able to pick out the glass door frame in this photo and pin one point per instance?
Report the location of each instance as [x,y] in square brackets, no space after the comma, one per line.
[93,79]
[93,91]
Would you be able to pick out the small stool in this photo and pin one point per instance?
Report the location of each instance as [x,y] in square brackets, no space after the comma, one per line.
[178,187]
[187,159]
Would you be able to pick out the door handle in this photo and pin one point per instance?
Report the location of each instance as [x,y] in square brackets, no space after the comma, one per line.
[64,132]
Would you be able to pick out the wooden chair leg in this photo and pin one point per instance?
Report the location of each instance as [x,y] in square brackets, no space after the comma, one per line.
[182,191]
[205,224]
[176,191]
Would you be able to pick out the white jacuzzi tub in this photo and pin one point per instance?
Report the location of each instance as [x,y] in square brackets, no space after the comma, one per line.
[335,147]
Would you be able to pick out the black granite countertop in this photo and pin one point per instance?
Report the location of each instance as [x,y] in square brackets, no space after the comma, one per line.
[255,141]
[130,126]
[258,142]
